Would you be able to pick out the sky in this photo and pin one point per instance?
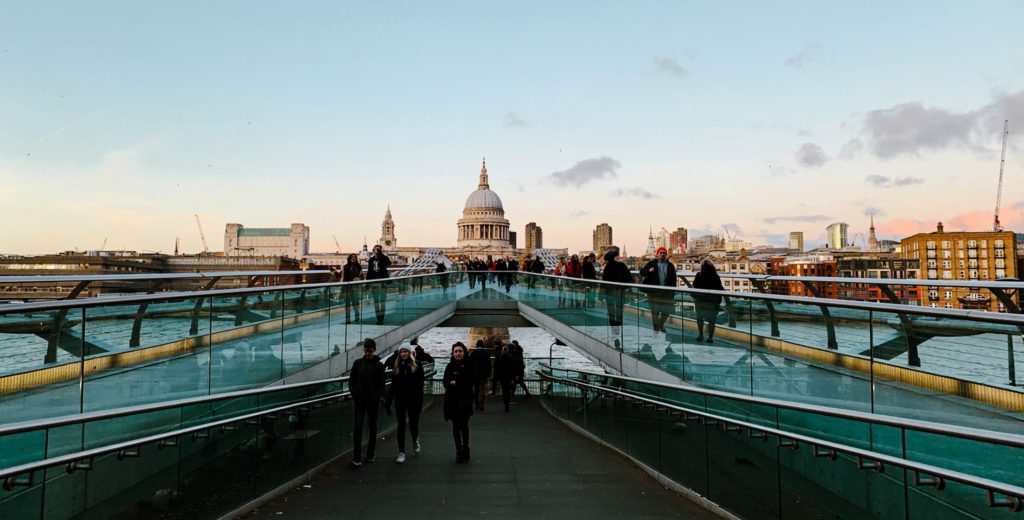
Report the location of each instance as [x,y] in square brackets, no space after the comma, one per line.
[120,121]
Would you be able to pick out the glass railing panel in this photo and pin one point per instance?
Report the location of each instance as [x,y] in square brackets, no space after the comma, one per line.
[982,459]
[724,362]
[743,473]
[954,501]
[822,487]
[20,448]
[837,429]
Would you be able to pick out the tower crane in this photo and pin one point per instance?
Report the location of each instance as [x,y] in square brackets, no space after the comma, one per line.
[996,226]
[336,244]
[727,233]
[206,250]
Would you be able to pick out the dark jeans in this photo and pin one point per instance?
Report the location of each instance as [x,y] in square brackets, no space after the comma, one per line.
[412,411]
[520,380]
[460,432]
[351,303]
[614,302]
[660,311]
[709,313]
[364,409]
[380,303]
[507,387]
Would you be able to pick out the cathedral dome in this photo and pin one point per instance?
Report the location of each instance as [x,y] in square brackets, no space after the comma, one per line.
[484,199]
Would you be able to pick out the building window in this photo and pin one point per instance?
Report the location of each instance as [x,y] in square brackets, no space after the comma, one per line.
[972,243]
[949,305]
[974,274]
[947,254]
[945,244]
[998,244]
[984,244]
[961,275]
[947,275]
[933,305]
[932,273]
[931,244]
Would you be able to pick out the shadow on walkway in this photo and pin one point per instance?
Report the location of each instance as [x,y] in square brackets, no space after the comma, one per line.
[525,464]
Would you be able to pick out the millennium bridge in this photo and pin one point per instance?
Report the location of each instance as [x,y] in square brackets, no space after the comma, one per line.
[188,399]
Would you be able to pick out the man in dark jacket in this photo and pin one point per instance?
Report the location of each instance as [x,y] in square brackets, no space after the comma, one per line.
[660,272]
[481,360]
[377,269]
[614,271]
[366,384]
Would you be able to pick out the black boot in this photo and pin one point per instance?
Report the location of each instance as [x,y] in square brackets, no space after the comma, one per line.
[459,456]
[465,453]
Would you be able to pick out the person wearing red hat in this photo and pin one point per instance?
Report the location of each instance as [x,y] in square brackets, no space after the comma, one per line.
[660,272]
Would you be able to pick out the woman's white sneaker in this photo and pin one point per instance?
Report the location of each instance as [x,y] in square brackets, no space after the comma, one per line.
[400,459]
[416,447]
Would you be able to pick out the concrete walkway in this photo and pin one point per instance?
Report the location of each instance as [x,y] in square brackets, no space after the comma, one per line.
[525,464]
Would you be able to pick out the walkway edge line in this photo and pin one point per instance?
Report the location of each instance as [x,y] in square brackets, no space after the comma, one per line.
[690,494]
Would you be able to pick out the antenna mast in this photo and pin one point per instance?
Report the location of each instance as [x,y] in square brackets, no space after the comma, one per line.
[996,226]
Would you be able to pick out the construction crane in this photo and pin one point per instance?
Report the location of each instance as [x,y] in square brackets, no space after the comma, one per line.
[206,250]
[996,226]
[104,246]
[336,244]
[727,233]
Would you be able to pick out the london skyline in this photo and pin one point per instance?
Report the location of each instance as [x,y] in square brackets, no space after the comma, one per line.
[121,121]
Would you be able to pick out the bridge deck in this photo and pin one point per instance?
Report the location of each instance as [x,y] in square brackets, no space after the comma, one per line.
[525,464]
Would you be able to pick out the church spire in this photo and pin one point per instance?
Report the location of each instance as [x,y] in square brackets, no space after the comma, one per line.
[483,177]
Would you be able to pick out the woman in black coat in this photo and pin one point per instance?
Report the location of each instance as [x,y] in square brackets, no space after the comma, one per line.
[406,392]
[458,399]
[707,304]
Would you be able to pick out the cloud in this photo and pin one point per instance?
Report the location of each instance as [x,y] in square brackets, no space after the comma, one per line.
[811,155]
[586,171]
[806,55]
[634,192]
[796,218]
[878,180]
[578,213]
[872,211]
[670,67]
[907,181]
[881,181]
[851,149]
[1019,206]
[776,170]
[913,128]
[512,120]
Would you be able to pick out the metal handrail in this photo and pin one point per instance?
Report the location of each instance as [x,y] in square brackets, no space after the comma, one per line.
[31,467]
[962,432]
[792,440]
[44,278]
[54,422]
[9,473]
[14,308]
[990,317]
[893,308]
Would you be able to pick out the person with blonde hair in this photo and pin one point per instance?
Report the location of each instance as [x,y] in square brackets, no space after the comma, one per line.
[406,393]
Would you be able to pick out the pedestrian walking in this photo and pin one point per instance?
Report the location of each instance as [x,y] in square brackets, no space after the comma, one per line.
[504,375]
[516,351]
[511,267]
[458,399]
[481,360]
[707,305]
[662,273]
[588,271]
[377,269]
[614,271]
[366,384]
[350,272]
[442,279]
[406,393]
